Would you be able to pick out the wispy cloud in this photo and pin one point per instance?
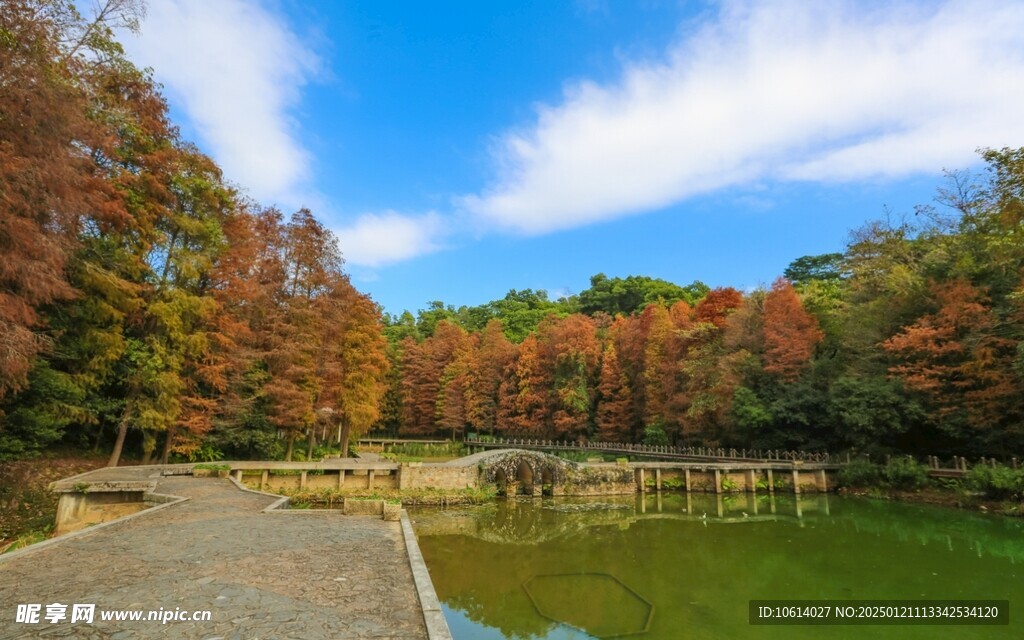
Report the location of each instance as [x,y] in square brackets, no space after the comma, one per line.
[237,70]
[380,239]
[788,91]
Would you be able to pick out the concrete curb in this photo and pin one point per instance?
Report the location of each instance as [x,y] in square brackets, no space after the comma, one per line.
[156,471]
[433,616]
[279,505]
[167,499]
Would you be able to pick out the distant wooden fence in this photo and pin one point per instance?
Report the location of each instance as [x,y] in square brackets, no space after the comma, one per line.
[956,466]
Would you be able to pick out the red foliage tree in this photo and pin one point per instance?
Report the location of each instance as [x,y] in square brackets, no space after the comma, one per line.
[570,352]
[491,359]
[790,333]
[532,399]
[613,416]
[427,368]
[717,305]
[958,357]
[49,178]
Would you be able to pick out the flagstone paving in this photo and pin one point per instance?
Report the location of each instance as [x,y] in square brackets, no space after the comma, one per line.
[291,574]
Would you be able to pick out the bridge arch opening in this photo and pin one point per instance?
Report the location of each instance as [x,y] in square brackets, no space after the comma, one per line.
[547,482]
[501,480]
[524,475]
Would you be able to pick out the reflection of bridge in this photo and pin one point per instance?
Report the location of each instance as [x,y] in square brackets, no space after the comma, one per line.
[531,521]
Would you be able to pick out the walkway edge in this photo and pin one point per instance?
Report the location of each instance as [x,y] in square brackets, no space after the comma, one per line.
[45,544]
[433,616]
[281,503]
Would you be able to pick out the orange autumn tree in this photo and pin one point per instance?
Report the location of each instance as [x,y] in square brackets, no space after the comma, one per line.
[614,414]
[423,379]
[957,357]
[51,176]
[570,352]
[530,409]
[629,337]
[790,333]
[452,407]
[715,307]
[491,358]
[353,363]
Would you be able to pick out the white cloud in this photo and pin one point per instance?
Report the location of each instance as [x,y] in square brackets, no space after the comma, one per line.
[792,90]
[237,70]
[379,239]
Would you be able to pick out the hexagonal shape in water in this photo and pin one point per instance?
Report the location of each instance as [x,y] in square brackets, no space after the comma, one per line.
[596,603]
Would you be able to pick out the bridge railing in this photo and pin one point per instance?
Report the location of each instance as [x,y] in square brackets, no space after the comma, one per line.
[660,450]
[949,465]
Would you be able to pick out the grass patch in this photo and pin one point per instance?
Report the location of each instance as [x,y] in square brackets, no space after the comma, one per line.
[400,457]
[417,451]
[26,506]
[27,539]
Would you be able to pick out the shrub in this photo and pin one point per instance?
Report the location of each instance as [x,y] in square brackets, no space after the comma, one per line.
[860,473]
[905,473]
[206,453]
[654,435]
[672,483]
[998,483]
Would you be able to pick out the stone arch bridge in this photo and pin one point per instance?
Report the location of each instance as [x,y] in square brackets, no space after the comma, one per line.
[533,473]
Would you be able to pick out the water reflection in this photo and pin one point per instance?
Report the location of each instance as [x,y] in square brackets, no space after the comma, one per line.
[699,558]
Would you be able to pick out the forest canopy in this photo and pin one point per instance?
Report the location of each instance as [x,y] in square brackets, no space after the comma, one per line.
[146,304]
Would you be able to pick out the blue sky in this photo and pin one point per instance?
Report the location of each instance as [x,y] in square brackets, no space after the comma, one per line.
[462,149]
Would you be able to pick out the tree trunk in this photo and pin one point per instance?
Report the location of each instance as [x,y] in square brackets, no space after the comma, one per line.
[345,431]
[122,431]
[99,438]
[291,445]
[148,445]
[312,444]
[167,446]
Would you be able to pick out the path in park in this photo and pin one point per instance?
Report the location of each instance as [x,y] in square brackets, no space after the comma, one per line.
[296,574]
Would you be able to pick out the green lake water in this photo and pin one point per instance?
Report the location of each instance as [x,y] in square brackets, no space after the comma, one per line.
[672,566]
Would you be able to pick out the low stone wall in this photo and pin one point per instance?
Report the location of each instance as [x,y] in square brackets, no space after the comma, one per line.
[437,476]
[596,481]
[80,509]
[360,507]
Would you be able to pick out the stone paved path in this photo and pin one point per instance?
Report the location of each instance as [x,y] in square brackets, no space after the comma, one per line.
[298,574]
